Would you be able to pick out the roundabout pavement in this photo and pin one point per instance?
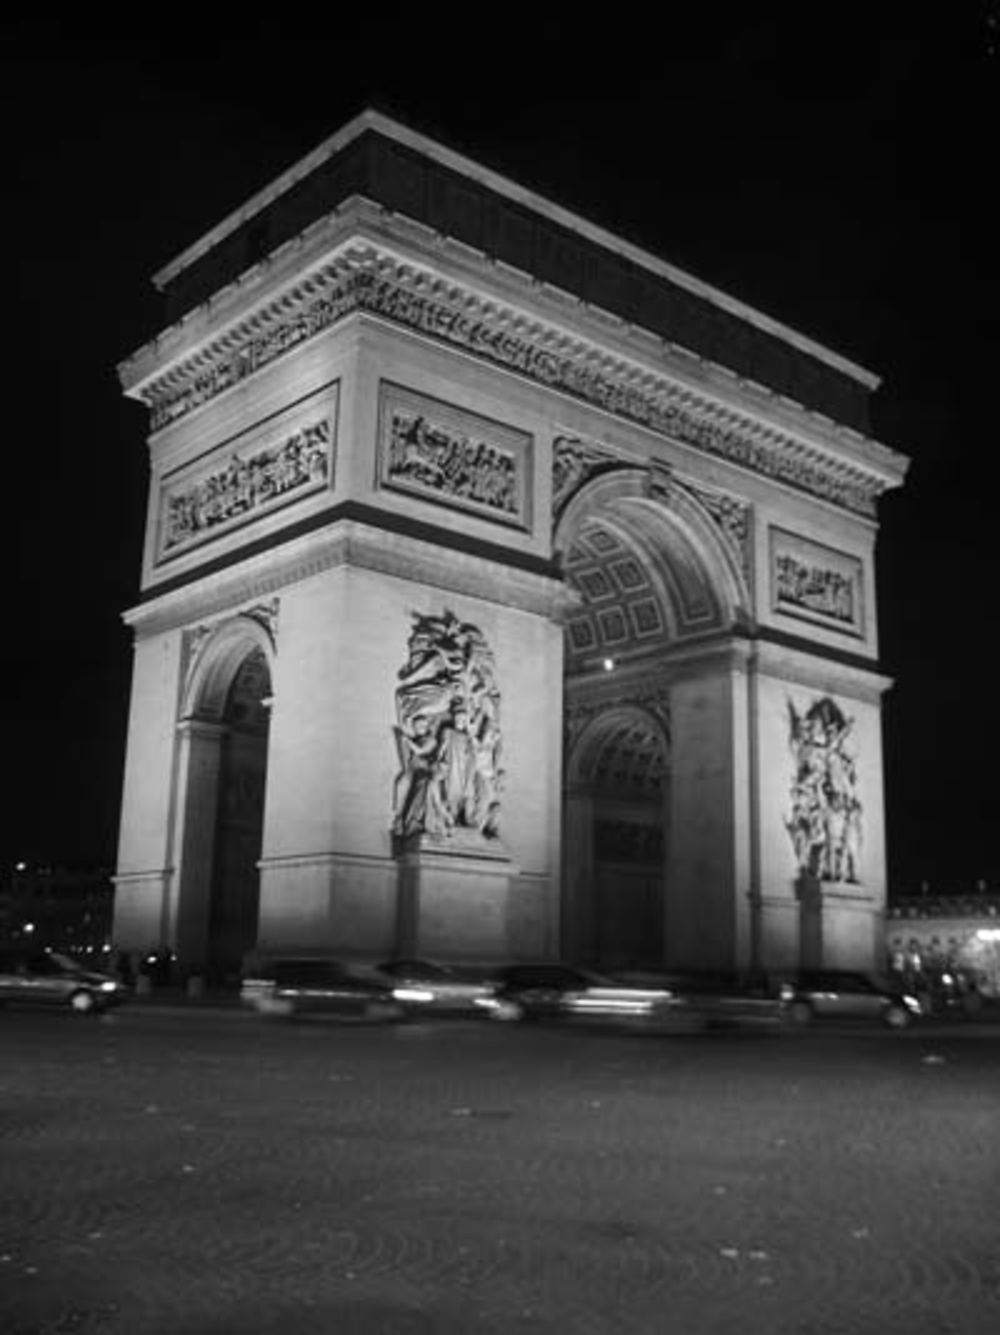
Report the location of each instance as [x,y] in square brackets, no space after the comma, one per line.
[204,1172]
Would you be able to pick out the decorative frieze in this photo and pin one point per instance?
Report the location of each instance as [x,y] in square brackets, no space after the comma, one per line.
[364,280]
[292,459]
[816,583]
[446,454]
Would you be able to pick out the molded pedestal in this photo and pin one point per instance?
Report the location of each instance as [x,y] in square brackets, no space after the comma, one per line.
[454,899]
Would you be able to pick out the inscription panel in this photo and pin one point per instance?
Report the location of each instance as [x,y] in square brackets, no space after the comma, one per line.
[816,583]
[454,457]
[273,465]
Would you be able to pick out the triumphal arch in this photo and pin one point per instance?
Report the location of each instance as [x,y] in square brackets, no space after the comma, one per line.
[506,592]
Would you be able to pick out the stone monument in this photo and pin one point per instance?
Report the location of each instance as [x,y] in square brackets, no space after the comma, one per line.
[506,592]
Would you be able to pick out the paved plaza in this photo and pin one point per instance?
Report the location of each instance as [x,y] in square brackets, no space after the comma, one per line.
[214,1174]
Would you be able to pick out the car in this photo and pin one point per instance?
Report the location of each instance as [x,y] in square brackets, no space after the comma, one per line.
[48,978]
[311,985]
[836,994]
[427,986]
[723,1000]
[564,991]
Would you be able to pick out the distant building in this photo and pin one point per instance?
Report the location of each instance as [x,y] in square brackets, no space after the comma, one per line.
[66,908]
[928,934]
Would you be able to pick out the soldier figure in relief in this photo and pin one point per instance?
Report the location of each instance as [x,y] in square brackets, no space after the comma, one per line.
[447,732]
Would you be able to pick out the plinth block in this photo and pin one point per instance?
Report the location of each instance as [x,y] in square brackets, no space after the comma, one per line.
[454,899]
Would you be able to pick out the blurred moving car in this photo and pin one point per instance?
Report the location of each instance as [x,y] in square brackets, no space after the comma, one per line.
[425,985]
[47,978]
[722,1000]
[834,994]
[316,986]
[563,991]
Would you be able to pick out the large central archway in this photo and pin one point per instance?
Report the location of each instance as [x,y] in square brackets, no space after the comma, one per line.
[653,577]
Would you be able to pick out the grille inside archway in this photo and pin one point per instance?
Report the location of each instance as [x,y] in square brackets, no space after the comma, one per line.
[628,759]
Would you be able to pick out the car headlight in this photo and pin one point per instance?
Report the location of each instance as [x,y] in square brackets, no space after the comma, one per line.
[412,994]
[109,986]
[912,1004]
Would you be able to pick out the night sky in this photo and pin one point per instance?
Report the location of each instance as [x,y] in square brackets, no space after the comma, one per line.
[839,173]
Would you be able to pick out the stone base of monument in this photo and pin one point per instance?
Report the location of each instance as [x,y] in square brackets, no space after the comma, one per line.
[839,925]
[454,898]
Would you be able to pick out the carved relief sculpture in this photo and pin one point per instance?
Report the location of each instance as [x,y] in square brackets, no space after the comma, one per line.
[574,461]
[246,484]
[824,591]
[816,583]
[452,456]
[825,821]
[447,733]
[732,517]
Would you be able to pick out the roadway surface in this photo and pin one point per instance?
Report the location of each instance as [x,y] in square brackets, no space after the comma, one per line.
[211,1173]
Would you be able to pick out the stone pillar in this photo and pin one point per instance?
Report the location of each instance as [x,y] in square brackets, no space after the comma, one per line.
[198,761]
[579,907]
[707,907]
[809,892]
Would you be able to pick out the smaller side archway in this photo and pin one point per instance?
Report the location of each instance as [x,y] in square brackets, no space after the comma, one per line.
[616,824]
[221,782]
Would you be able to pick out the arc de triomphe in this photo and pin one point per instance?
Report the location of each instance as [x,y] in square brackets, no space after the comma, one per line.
[506,592]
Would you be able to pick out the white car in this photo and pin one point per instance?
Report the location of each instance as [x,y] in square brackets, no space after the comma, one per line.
[425,985]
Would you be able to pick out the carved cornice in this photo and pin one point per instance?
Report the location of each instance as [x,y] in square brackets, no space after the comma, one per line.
[363,278]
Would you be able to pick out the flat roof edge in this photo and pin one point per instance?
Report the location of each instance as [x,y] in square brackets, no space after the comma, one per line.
[370,119]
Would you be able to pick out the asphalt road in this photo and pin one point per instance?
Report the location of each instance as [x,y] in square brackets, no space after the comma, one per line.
[215,1174]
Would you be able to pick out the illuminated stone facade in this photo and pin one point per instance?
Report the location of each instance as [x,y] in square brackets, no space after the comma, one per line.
[506,591]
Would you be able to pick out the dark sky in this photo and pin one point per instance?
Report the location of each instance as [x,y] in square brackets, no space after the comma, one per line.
[837,172]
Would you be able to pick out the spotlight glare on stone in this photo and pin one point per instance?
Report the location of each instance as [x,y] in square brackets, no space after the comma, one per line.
[609,664]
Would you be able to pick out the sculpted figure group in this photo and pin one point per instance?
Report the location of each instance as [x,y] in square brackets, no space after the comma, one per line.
[244,484]
[447,732]
[453,464]
[825,822]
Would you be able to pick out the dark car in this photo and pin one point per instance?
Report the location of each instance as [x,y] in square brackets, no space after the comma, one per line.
[564,991]
[47,978]
[835,994]
[723,1000]
[426,986]
[313,986]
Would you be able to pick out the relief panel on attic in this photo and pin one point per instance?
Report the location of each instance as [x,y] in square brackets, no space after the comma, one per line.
[273,465]
[816,583]
[450,456]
